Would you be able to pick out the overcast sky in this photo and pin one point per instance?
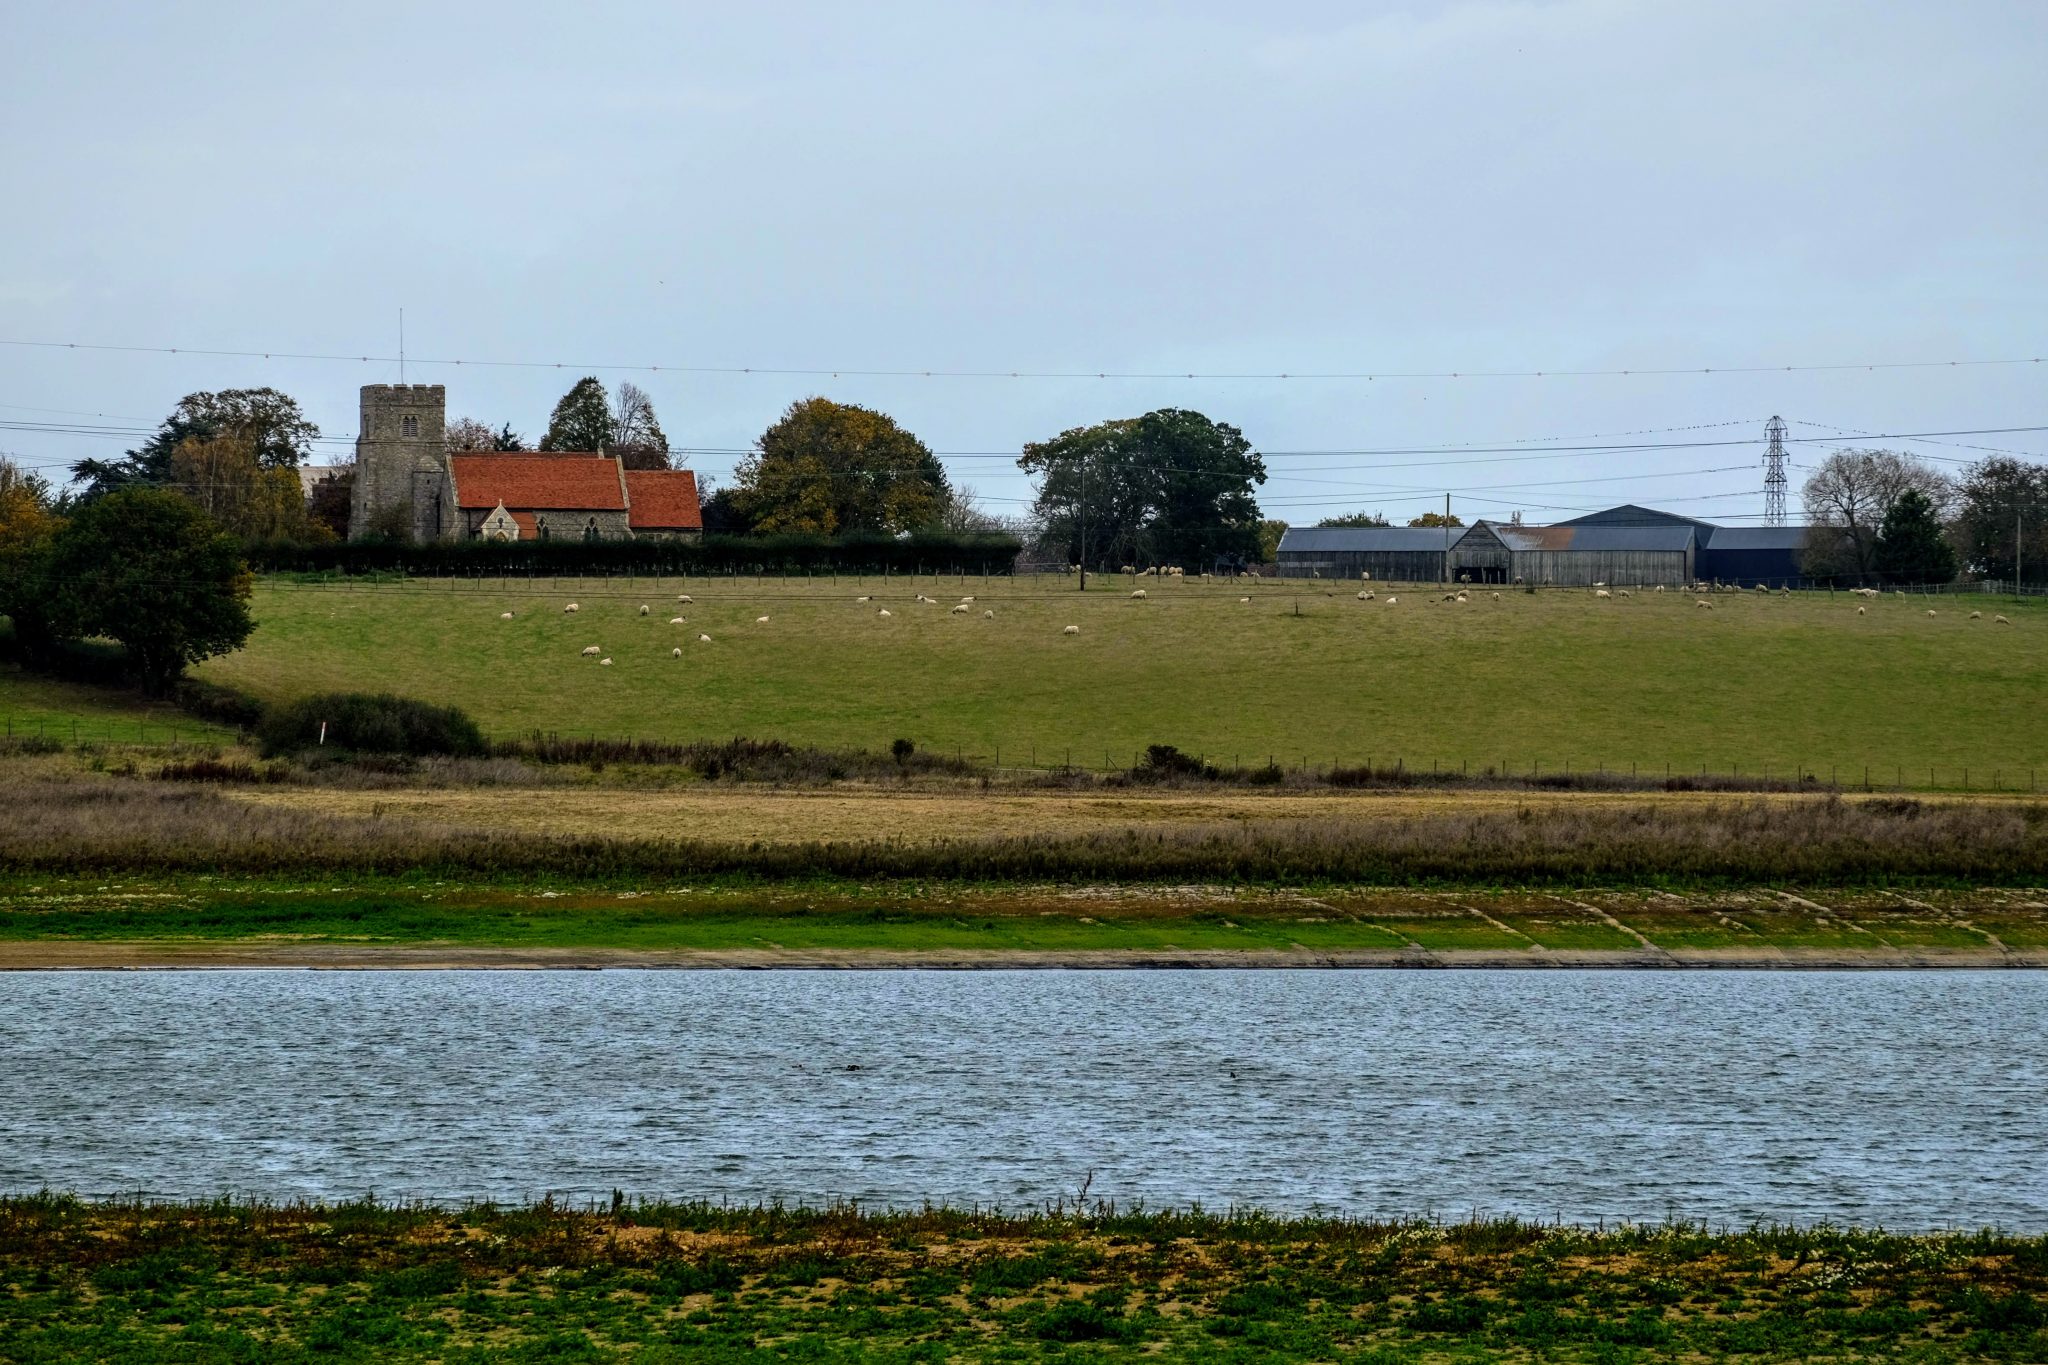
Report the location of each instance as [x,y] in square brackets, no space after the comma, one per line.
[1240,188]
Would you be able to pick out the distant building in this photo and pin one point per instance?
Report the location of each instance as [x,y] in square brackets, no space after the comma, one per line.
[1622,545]
[408,484]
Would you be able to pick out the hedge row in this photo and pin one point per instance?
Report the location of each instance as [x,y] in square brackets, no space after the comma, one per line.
[857,553]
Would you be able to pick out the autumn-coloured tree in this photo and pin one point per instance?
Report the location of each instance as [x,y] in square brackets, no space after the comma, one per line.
[827,468]
[582,420]
[223,476]
[270,422]
[636,432]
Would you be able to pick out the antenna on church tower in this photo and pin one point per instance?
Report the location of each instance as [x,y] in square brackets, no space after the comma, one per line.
[1774,473]
[401,345]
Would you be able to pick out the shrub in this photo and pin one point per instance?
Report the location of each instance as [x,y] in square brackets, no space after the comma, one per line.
[370,723]
[215,702]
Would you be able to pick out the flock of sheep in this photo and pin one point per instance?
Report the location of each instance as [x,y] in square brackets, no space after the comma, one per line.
[965,606]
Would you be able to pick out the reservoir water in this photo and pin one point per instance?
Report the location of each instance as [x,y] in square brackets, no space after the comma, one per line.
[1908,1099]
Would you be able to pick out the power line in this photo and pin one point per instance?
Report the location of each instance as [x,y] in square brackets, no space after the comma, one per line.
[861,372]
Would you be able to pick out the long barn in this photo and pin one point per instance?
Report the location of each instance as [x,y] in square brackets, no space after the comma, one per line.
[1621,545]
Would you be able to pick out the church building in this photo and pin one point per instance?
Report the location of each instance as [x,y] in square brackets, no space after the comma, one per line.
[409,484]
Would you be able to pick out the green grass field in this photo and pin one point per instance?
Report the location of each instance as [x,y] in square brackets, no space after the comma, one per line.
[33,707]
[1556,678]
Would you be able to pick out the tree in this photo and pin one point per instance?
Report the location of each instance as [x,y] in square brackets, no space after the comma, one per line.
[223,477]
[1847,498]
[1356,519]
[1435,519]
[508,439]
[826,468]
[2002,509]
[636,432]
[1911,547]
[330,501]
[1270,533]
[148,568]
[277,431]
[1171,485]
[26,527]
[582,420]
[468,433]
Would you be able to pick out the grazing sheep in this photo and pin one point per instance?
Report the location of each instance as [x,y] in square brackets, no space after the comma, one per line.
[960,610]
[676,653]
[504,616]
[685,597]
[1071,630]
[1365,597]
[643,608]
[1761,588]
[760,620]
[1602,592]
[1242,600]
[572,607]
[1976,616]
[1623,592]
[988,616]
[604,663]
[1450,597]
[676,621]
[591,651]
[1703,602]
[1861,610]
[1463,598]
[703,639]
[967,599]
[1392,600]
[863,599]
[1659,587]
[1930,611]
[922,598]
[1139,594]
[2000,620]
[1363,577]
[883,612]
[1496,597]
[1129,569]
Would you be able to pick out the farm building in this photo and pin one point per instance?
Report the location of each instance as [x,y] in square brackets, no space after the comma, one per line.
[1622,545]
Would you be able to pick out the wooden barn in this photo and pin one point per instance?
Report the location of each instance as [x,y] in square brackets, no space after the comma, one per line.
[1391,554]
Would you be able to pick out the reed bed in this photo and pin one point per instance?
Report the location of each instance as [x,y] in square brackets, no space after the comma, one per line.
[109,823]
[155,1280]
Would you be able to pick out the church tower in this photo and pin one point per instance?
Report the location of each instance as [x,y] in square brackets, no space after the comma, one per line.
[403,486]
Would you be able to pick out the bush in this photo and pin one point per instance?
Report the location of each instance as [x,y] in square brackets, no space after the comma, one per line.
[370,723]
[219,704]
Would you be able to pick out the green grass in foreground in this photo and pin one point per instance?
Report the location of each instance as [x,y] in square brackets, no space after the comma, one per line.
[691,1282]
[943,918]
[35,707]
[1556,677]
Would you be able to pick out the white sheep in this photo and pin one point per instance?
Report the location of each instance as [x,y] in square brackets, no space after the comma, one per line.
[605,663]
[1242,600]
[1365,597]
[1930,611]
[1392,600]
[685,597]
[1659,588]
[1496,597]
[591,651]
[1463,598]
[1623,592]
[1602,592]
[760,620]
[1362,577]
[703,639]
[1861,610]
[2000,620]
[1976,616]
[504,616]
[643,608]
[1139,595]
[1071,630]
[967,599]
[988,616]
[864,599]
[1703,602]
[884,612]
[676,653]
[572,607]
[676,621]
[961,610]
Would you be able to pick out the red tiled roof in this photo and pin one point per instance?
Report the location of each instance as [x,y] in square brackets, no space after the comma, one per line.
[559,479]
[663,500]
[524,521]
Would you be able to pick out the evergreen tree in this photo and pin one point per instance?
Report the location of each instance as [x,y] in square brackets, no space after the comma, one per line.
[1911,545]
[270,421]
[582,420]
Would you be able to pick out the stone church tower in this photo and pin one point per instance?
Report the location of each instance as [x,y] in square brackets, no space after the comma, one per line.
[403,486]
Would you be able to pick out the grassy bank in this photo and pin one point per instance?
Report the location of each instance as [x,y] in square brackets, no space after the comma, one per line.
[123,1282]
[131,920]
[91,823]
[1296,676]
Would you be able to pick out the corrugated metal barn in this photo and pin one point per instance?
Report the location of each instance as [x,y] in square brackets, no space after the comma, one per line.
[1625,546]
[1391,554]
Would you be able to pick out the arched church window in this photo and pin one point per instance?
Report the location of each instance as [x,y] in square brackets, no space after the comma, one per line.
[590,531]
[409,427]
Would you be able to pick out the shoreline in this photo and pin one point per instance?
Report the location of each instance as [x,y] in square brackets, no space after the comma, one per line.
[140,955]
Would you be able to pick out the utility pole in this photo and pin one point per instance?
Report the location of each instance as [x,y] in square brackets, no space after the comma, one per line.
[1774,472]
[1084,521]
[1447,538]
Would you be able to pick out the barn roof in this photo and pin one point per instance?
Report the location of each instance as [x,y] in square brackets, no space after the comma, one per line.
[577,481]
[1630,514]
[663,500]
[1598,537]
[1757,538]
[1361,539]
